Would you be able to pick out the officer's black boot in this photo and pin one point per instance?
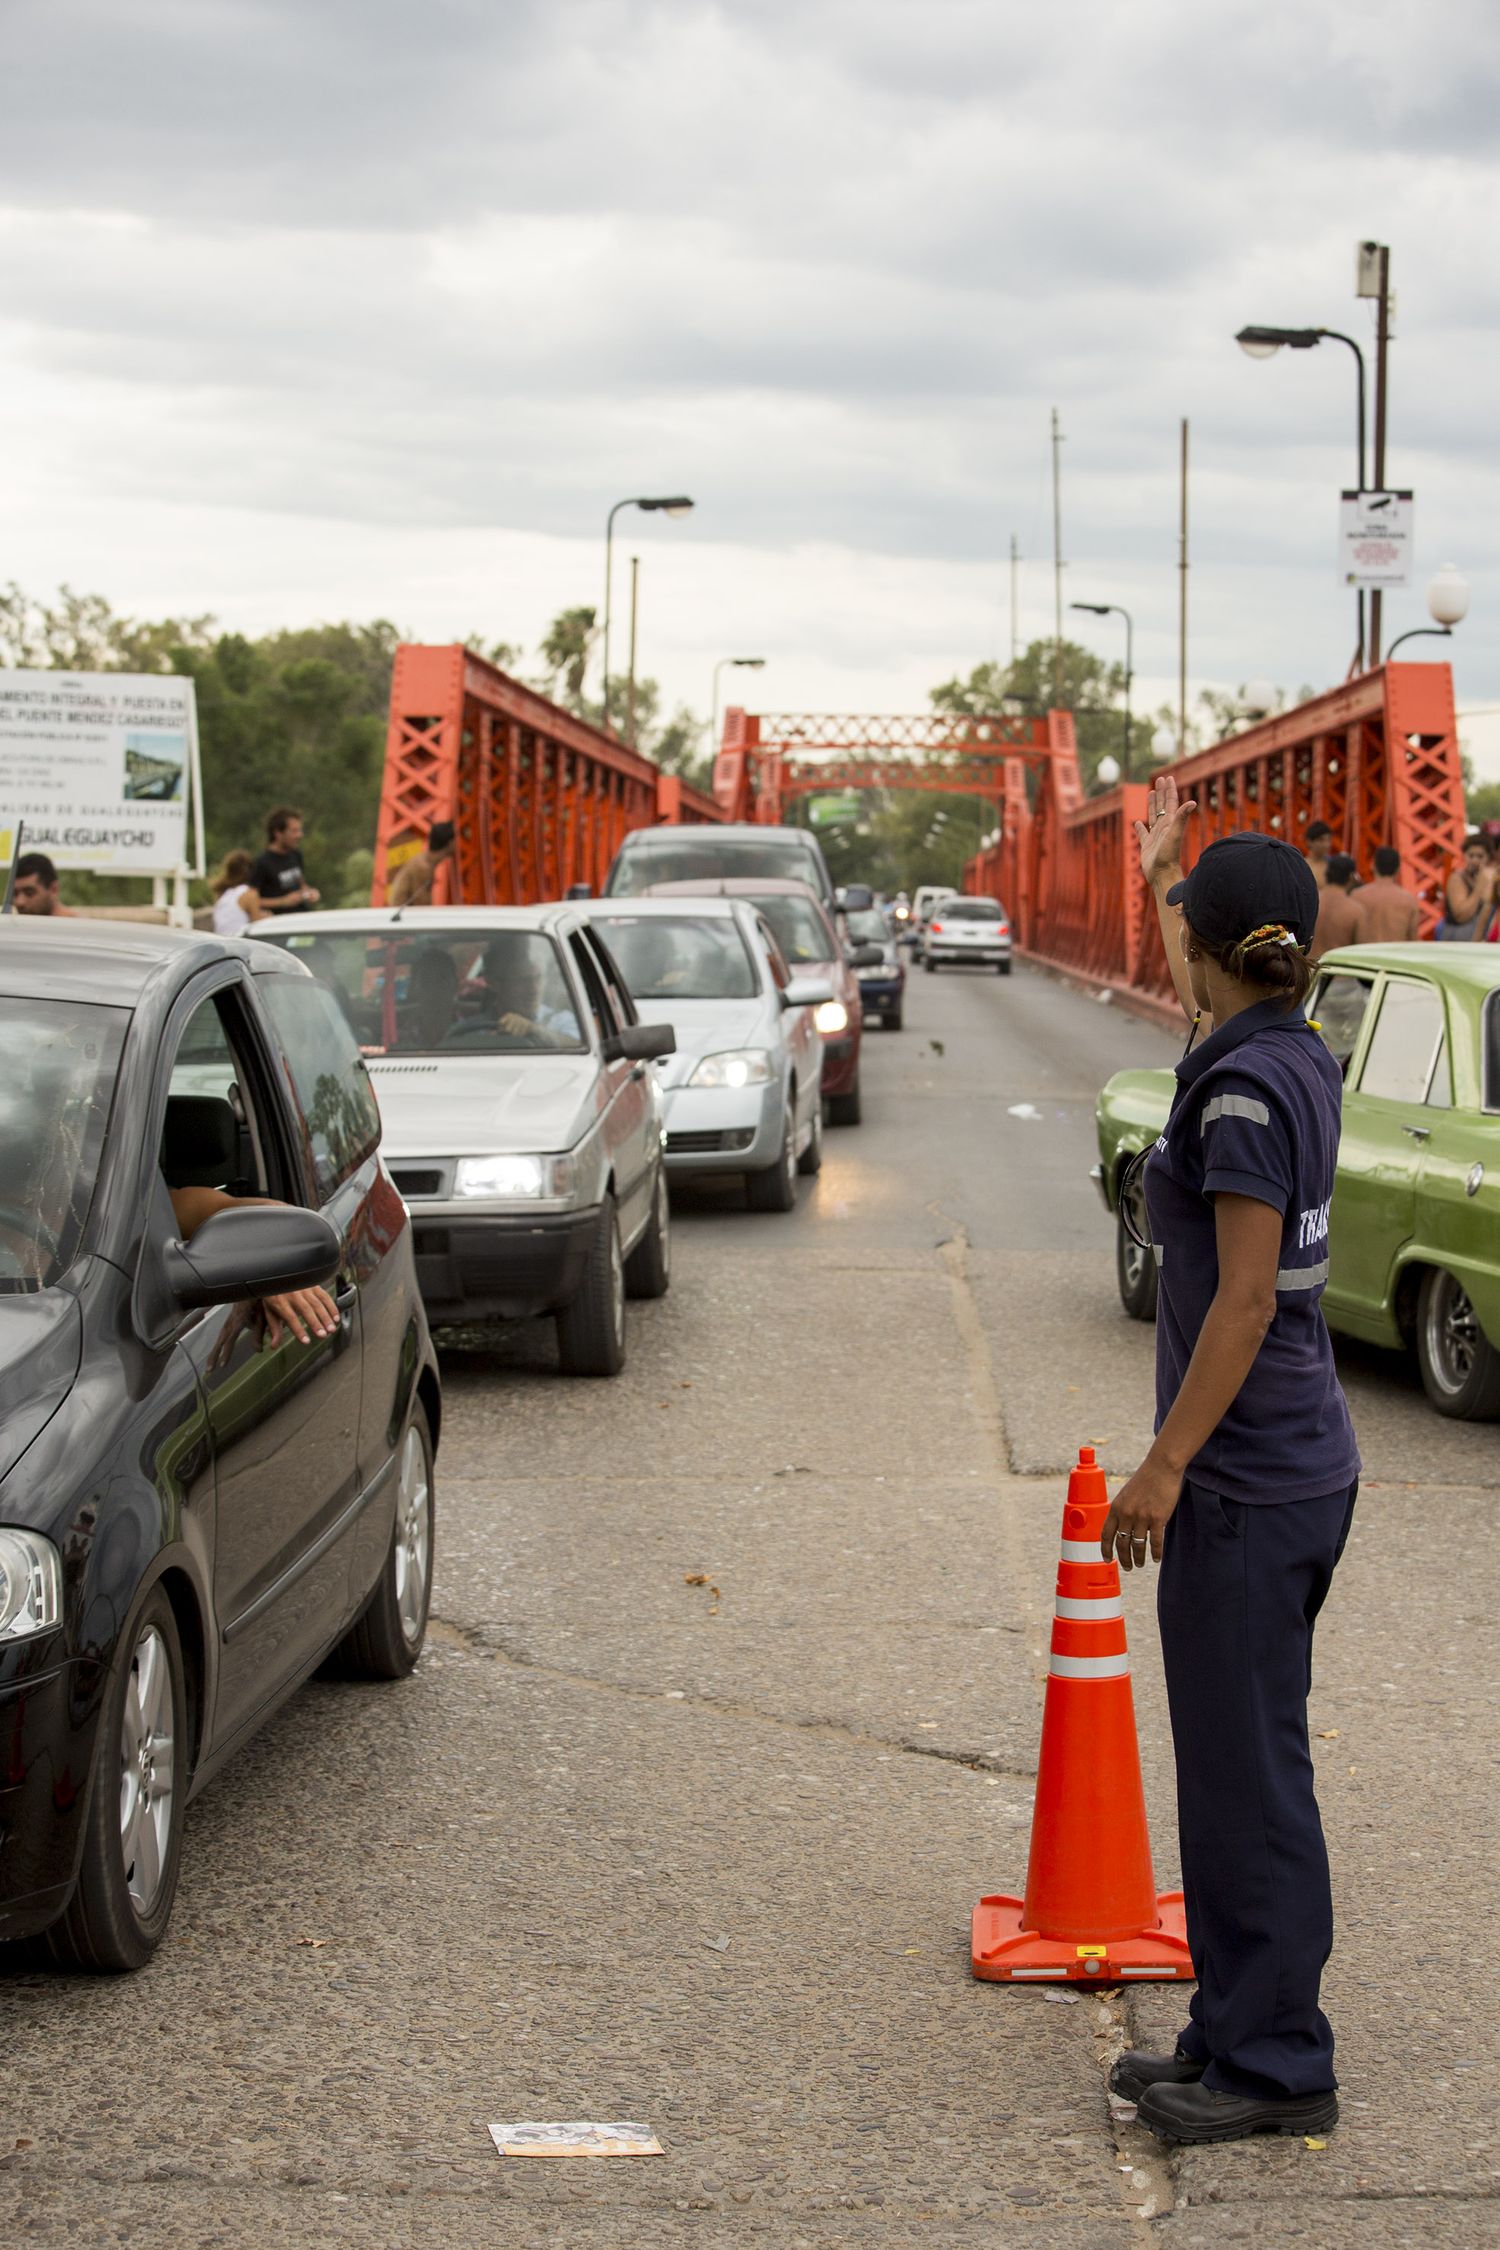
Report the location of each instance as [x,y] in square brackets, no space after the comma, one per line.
[1199,2113]
[1136,2070]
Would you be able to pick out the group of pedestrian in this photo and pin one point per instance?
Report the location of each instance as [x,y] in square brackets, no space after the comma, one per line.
[246,890]
[1384,911]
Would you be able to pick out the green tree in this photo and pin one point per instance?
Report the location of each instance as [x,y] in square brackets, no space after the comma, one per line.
[566,649]
[1484,803]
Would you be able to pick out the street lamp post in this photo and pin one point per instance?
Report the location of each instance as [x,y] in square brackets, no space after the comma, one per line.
[1447,606]
[1113,609]
[1264,343]
[676,505]
[746,664]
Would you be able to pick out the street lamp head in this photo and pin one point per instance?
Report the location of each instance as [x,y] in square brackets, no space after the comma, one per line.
[676,505]
[749,663]
[1257,699]
[1163,743]
[1095,609]
[1448,597]
[1264,343]
[1107,771]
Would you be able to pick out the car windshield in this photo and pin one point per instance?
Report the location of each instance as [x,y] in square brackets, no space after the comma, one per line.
[970,910]
[690,858]
[58,1061]
[866,928]
[413,989]
[798,927]
[666,958]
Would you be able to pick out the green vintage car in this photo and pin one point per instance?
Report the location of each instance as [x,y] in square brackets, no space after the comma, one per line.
[1414,1247]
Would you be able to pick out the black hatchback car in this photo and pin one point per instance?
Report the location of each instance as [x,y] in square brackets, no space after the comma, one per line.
[196,1509]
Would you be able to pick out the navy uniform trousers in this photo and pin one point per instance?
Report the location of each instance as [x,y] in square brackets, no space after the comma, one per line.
[1239,1591]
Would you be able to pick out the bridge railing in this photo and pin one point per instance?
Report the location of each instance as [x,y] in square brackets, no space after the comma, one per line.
[538,798]
[1377,759]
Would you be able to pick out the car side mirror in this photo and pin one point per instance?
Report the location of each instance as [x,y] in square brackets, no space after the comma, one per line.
[579,890]
[641,1042]
[806,992]
[257,1250]
[867,956]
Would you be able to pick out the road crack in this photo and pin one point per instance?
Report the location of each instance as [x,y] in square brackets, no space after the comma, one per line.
[472,1641]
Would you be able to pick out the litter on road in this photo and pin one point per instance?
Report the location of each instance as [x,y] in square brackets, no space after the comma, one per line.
[527,2138]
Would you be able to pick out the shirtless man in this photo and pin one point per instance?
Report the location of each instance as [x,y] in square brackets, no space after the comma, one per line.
[1338,913]
[1317,848]
[1389,914]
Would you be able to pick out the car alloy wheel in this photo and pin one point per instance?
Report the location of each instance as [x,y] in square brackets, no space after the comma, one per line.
[413,1552]
[616,1287]
[148,1771]
[1460,1366]
[789,1152]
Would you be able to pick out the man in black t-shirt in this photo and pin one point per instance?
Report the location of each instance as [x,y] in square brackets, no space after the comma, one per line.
[277,874]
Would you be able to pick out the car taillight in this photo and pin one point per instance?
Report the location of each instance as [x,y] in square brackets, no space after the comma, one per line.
[935,929]
[1005,929]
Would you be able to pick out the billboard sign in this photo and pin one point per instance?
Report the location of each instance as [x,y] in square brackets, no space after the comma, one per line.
[102,767]
[1375,538]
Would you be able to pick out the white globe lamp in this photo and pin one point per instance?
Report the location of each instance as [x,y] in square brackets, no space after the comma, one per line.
[1163,744]
[1448,597]
[1107,772]
[1258,699]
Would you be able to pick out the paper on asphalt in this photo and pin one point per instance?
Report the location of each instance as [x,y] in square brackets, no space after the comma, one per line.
[530,2138]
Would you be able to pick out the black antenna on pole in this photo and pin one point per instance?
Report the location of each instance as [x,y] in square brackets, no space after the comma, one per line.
[10,872]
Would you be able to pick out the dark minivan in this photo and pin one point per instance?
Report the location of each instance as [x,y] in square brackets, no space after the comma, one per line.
[196,1508]
[650,857]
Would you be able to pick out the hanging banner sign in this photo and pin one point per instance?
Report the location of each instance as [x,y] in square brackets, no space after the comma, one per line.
[1375,538]
[101,767]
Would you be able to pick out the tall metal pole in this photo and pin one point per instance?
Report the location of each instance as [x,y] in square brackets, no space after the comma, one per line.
[1057,564]
[1382,341]
[1015,638]
[635,580]
[609,535]
[1182,598]
[1129,678]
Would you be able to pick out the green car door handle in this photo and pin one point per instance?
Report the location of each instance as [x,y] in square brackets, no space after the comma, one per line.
[1418,1132]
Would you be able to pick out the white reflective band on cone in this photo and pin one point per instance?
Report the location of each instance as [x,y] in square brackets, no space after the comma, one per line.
[1089,1667]
[1090,1606]
[1081,1550]
[1037,1973]
[1164,1971]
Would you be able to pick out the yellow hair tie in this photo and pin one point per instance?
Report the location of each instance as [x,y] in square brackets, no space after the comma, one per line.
[1269,933]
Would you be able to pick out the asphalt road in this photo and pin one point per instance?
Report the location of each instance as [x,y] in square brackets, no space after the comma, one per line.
[729,1713]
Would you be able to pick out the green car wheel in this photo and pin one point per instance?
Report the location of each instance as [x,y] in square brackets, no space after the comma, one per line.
[1135,1268]
[1460,1366]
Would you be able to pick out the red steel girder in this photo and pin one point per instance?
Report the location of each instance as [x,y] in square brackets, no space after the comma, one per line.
[1376,758]
[539,799]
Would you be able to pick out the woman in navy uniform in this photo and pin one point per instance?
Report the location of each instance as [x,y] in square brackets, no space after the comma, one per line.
[1246,1496]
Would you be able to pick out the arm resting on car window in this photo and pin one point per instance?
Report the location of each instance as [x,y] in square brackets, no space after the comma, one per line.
[308,1313]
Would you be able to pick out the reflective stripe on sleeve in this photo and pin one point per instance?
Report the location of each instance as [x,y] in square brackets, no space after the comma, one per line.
[1093,1608]
[1089,1667]
[1234,1105]
[1303,1277]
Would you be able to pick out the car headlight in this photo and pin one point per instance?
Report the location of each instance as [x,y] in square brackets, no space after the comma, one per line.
[831,1016]
[513,1179]
[875,976]
[30,1584]
[737,1066]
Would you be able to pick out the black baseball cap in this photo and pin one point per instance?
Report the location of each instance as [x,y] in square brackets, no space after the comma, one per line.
[1242,882]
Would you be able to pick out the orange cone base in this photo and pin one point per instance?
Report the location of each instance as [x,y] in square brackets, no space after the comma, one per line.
[1006,1952]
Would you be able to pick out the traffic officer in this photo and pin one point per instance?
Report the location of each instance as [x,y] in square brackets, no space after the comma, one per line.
[1246,1496]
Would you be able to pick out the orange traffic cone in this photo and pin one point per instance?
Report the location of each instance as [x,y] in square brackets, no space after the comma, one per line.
[1091,1908]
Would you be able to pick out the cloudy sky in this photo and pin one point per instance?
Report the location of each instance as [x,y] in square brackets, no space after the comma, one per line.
[351,308]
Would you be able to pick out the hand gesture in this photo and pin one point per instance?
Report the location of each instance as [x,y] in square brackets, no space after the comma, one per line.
[310,1314]
[1160,833]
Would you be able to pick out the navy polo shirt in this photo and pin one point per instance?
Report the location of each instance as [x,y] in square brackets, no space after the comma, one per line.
[1256,1112]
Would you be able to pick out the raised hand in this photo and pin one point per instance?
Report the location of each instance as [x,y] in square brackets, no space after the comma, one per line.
[1160,834]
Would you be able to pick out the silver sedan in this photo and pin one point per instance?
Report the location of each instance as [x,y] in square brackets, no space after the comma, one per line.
[744,1088]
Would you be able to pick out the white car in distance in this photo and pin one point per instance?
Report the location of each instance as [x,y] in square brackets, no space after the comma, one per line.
[743,1088]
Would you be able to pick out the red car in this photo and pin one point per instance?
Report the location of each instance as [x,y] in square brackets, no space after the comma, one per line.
[801,926]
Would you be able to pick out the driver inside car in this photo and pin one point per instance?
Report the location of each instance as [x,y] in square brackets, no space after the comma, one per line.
[513,999]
